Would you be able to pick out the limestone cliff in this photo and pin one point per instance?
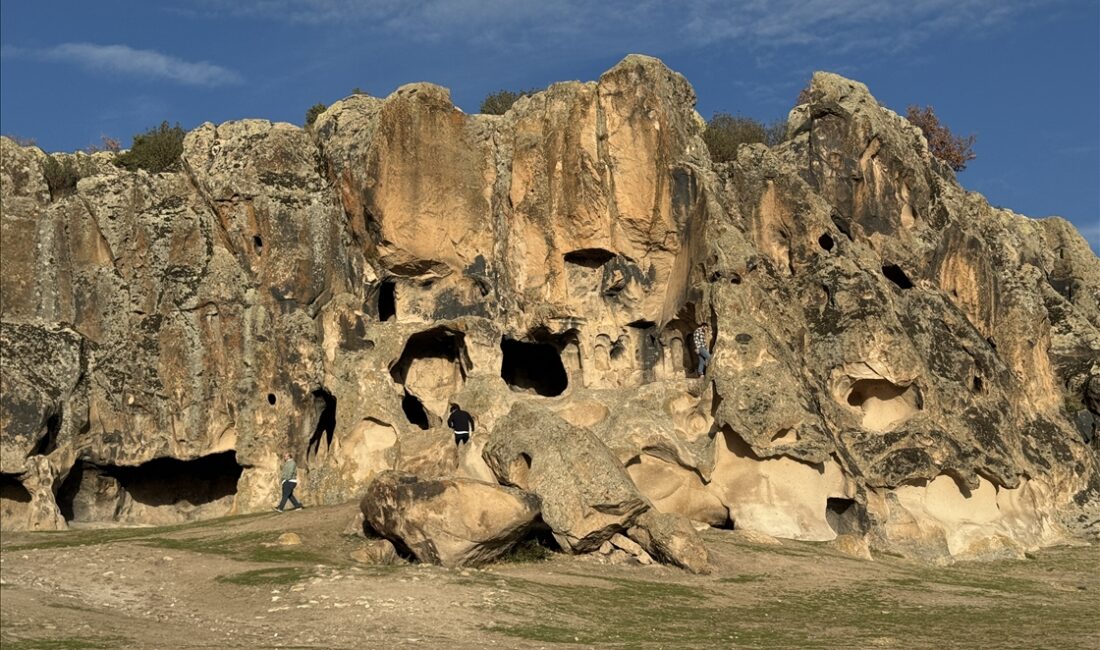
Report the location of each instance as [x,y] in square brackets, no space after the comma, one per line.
[893,356]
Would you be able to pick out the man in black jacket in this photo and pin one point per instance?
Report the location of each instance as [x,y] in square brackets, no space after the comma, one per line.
[462,424]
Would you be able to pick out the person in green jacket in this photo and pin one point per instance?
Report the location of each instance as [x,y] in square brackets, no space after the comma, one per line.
[290,481]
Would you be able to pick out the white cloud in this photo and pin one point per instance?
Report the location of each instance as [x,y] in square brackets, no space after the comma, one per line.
[125,60]
[833,25]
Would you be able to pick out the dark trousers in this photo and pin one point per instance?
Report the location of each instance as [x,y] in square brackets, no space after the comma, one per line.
[462,437]
[288,494]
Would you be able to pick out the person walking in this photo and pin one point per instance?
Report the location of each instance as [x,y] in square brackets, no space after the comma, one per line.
[701,340]
[290,481]
[462,424]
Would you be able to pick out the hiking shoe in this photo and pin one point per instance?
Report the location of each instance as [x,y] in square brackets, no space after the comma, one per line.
[277,509]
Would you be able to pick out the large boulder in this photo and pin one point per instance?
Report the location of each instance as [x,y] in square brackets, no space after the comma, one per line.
[453,522]
[671,539]
[586,494]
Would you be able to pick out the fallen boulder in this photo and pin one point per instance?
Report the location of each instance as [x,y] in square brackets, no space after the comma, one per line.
[587,496]
[448,521]
[671,539]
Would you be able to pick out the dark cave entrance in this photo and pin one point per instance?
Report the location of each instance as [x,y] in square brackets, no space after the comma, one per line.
[387,300]
[591,258]
[324,404]
[438,342]
[96,492]
[825,241]
[894,274]
[533,366]
[414,411]
[11,489]
[845,516]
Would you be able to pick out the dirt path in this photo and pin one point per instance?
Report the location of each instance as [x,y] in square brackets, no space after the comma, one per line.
[224,584]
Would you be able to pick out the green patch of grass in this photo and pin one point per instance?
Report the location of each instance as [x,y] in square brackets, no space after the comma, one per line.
[252,547]
[70,538]
[65,643]
[528,551]
[744,578]
[286,575]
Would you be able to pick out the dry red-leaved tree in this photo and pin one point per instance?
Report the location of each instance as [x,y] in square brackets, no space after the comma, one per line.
[953,150]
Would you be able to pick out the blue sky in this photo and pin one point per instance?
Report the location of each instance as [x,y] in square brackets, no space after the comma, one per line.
[1022,75]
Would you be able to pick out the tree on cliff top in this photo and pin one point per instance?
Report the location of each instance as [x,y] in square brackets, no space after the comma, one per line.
[315,111]
[953,150]
[725,133]
[157,150]
[499,102]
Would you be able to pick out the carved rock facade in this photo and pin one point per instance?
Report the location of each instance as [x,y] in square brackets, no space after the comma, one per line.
[892,354]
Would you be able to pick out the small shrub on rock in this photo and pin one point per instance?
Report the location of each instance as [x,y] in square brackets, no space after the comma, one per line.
[315,111]
[157,150]
[953,150]
[61,176]
[499,102]
[725,133]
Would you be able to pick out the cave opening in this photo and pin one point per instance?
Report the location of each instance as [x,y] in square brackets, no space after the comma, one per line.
[324,404]
[48,440]
[533,366]
[436,343]
[845,516]
[387,300]
[976,384]
[414,411]
[894,274]
[258,244]
[884,404]
[271,399]
[592,258]
[826,242]
[11,489]
[94,492]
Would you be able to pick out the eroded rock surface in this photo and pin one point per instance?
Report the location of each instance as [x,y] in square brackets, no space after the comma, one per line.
[896,361]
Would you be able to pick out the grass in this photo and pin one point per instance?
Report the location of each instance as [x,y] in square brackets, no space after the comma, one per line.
[65,643]
[251,547]
[73,538]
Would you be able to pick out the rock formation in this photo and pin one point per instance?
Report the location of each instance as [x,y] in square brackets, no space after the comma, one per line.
[893,356]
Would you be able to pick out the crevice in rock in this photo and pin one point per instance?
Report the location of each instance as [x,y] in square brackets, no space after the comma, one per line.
[47,442]
[324,404]
[387,300]
[894,274]
[93,492]
[845,516]
[533,366]
[414,411]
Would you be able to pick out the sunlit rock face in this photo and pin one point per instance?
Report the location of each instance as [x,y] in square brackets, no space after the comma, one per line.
[894,358]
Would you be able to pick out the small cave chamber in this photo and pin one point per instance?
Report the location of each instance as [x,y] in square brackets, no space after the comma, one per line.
[535,366]
[387,300]
[414,411]
[15,502]
[160,491]
[431,369]
[895,274]
[845,516]
[884,404]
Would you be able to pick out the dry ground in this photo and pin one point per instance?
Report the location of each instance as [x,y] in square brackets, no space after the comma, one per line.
[220,584]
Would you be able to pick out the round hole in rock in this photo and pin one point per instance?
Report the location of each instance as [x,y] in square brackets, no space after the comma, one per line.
[826,242]
[414,411]
[271,399]
[533,366]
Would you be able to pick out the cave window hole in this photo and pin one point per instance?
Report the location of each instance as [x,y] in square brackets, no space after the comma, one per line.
[324,405]
[271,399]
[48,441]
[438,342]
[826,242]
[414,411]
[387,300]
[533,366]
[894,274]
[12,489]
[845,516]
[258,244]
[977,385]
[592,258]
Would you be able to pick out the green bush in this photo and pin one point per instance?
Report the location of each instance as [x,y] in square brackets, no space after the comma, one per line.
[953,150]
[725,133]
[313,112]
[157,150]
[61,176]
[499,102]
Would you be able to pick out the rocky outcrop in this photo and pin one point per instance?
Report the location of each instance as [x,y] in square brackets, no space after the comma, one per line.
[896,361]
[452,522]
